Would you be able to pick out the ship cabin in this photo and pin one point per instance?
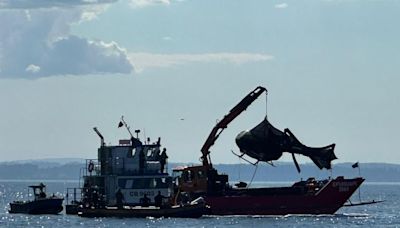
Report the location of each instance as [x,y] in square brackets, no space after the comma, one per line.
[39,191]
[132,168]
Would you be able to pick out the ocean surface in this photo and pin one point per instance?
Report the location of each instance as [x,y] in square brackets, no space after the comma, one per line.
[385,214]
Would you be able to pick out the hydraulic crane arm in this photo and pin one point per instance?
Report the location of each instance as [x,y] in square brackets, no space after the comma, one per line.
[221,125]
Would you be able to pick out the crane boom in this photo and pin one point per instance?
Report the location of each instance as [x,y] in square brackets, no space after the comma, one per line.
[221,125]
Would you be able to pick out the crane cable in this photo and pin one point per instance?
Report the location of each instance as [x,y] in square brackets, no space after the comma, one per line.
[266,105]
[266,117]
[254,174]
[240,166]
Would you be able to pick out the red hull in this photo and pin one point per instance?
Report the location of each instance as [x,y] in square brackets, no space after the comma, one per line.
[326,199]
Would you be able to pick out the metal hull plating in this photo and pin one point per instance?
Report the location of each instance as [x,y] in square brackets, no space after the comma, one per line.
[286,200]
[41,206]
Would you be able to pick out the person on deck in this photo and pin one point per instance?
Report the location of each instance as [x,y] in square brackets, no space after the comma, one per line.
[158,200]
[42,194]
[120,197]
[141,161]
[163,159]
[145,201]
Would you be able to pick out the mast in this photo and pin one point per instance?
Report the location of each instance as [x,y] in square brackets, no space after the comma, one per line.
[126,126]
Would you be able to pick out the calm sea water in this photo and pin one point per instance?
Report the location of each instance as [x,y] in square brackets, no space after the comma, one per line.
[386,214]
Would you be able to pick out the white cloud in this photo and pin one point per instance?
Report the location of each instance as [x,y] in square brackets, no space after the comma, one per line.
[91,13]
[32,68]
[167,38]
[41,37]
[28,15]
[36,4]
[145,3]
[143,61]
[281,5]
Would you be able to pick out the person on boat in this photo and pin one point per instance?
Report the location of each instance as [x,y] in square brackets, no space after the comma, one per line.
[141,161]
[120,197]
[95,199]
[158,199]
[145,201]
[163,159]
[42,194]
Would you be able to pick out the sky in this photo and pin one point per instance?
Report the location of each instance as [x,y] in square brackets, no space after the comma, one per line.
[173,68]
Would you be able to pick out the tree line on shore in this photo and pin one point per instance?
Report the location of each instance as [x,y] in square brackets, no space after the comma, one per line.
[281,172]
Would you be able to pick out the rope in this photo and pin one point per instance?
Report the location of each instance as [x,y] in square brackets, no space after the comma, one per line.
[240,166]
[359,188]
[254,174]
[266,105]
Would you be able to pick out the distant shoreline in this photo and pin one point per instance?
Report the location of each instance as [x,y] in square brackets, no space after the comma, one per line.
[283,172]
[38,181]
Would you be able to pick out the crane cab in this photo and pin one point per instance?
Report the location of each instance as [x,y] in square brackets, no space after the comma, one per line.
[199,180]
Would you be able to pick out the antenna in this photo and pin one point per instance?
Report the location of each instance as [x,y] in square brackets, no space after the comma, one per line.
[137,133]
[144,134]
[100,135]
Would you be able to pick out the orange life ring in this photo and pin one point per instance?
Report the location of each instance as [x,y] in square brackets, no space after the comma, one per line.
[90,166]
